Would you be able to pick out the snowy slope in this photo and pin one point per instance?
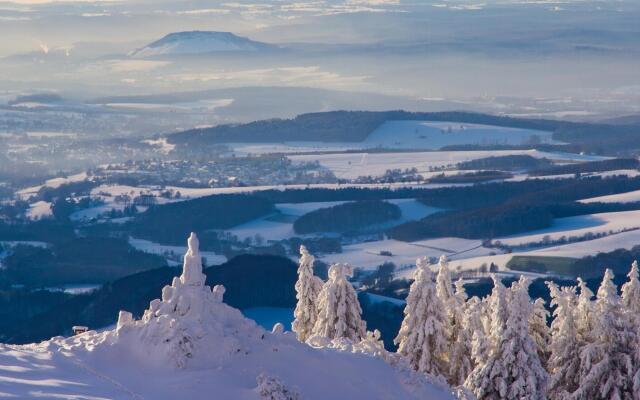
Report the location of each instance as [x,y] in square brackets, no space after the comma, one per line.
[435,135]
[353,165]
[579,226]
[39,210]
[190,345]
[404,254]
[199,42]
[280,225]
[628,197]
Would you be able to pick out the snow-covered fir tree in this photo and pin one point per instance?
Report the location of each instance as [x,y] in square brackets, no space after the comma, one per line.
[422,337]
[631,292]
[474,330]
[584,313]
[564,360]
[609,362]
[539,330]
[339,312]
[460,361]
[443,282]
[513,369]
[308,288]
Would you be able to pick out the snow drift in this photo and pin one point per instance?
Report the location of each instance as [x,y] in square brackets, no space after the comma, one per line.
[189,344]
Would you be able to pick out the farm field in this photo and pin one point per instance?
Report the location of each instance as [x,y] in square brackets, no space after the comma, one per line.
[410,135]
[369,255]
[353,165]
[279,226]
[579,226]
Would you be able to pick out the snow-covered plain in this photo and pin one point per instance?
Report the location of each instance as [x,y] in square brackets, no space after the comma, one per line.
[628,197]
[353,165]
[190,345]
[579,226]
[624,240]
[409,135]
[404,254]
[24,194]
[279,226]
[174,253]
[39,210]
[435,135]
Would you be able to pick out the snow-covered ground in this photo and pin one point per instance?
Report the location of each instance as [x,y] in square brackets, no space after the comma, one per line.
[39,210]
[628,197]
[435,135]
[173,254]
[190,345]
[409,135]
[279,226]
[368,255]
[74,289]
[353,165]
[51,183]
[624,240]
[579,226]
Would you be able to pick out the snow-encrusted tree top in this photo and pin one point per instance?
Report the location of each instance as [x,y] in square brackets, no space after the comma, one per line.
[584,312]
[513,369]
[423,338]
[443,281]
[308,289]
[339,312]
[609,360]
[564,361]
[631,291]
[539,329]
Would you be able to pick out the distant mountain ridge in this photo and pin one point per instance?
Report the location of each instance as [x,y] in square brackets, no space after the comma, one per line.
[200,42]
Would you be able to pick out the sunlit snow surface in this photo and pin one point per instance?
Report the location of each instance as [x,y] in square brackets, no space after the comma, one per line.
[190,345]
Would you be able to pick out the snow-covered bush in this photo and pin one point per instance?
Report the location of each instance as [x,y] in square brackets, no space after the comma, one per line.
[271,388]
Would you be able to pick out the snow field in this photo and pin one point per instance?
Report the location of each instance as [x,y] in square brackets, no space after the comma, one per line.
[353,165]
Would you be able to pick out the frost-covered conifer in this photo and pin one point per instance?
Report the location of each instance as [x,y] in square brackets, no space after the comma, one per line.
[539,330]
[308,288]
[474,330]
[584,313]
[564,361]
[512,369]
[631,292]
[461,339]
[496,309]
[339,312]
[609,361]
[443,282]
[422,337]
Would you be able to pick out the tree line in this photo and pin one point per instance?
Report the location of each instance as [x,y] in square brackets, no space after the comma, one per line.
[347,217]
[499,347]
